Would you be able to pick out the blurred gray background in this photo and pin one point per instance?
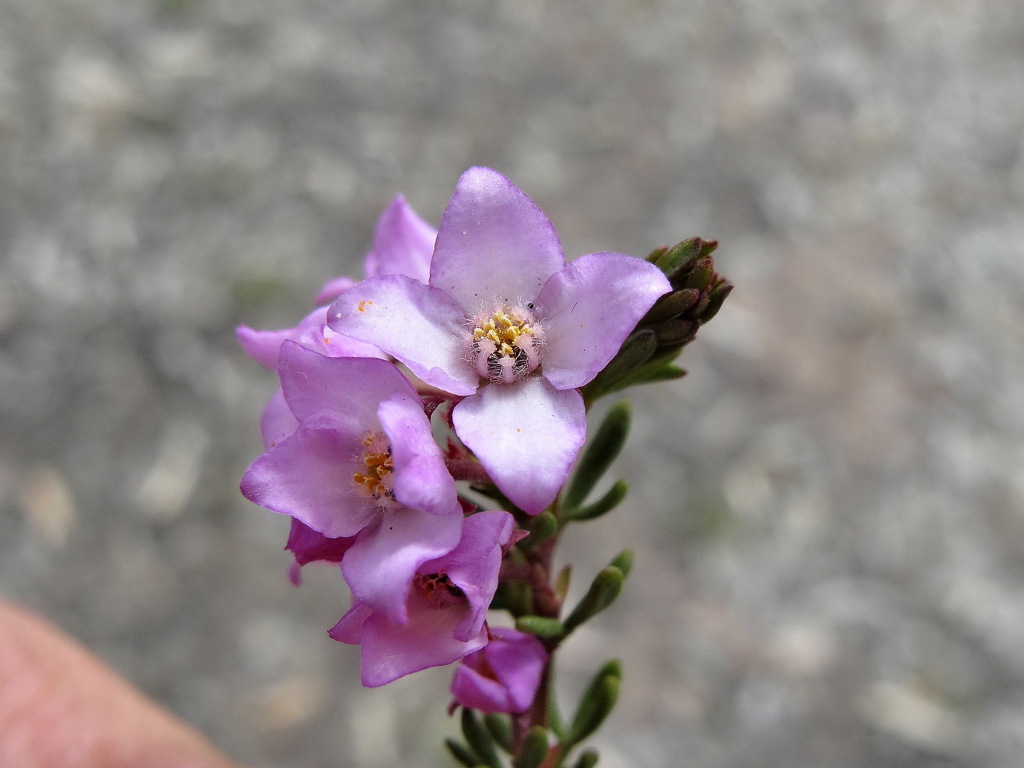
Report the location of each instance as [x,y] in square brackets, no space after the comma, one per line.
[828,511]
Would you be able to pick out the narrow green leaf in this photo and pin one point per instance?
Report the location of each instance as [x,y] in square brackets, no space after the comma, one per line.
[679,256]
[542,527]
[534,750]
[541,626]
[603,590]
[500,729]
[596,704]
[611,667]
[600,452]
[562,582]
[602,506]
[671,305]
[676,331]
[623,561]
[667,372]
[652,370]
[718,294]
[555,722]
[656,254]
[479,740]
[461,753]
[587,759]
[708,247]
[701,275]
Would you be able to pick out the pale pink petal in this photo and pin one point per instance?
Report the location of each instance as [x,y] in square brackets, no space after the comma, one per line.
[589,309]
[402,244]
[518,660]
[473,689]
[526,435]
[419,325]
[345,390]
[421,480]
[386,556]
[277,421]
[263,346]
[391,650]
[494,244]
[350,626]
[328,342]
[309,476]
[473,565]
[503,676]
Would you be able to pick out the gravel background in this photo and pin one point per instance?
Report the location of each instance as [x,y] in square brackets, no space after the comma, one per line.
[828,512]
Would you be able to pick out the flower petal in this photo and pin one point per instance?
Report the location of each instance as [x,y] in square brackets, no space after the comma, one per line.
[333,344]
[386,556]
[277,421]
[473,565]
[526,435]
[589,309]
[391,650]
[309,476]
[308,546]
[503,676]
[344,390]
[494,243]
[474,690]
[421,480]
[265,346]
[419,325]
[350,626]
[402,244]
[518,659]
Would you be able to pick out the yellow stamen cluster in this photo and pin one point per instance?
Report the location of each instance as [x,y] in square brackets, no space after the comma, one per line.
[379,465]
[504,331]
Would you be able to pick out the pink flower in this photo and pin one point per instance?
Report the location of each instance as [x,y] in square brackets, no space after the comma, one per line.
[503,676]
[504,322]
[446,607]
[362,462]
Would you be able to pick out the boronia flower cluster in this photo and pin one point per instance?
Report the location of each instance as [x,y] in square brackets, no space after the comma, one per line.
[423,435]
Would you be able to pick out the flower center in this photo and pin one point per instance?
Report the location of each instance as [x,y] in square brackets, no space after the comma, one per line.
[505,343]
[377,480]
[438,589]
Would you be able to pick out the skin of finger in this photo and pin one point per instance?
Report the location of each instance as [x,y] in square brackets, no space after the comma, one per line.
[61,707]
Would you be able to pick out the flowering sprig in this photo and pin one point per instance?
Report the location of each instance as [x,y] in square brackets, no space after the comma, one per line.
[479,333]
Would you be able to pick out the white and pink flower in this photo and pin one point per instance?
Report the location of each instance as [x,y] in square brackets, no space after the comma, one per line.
[504,323]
